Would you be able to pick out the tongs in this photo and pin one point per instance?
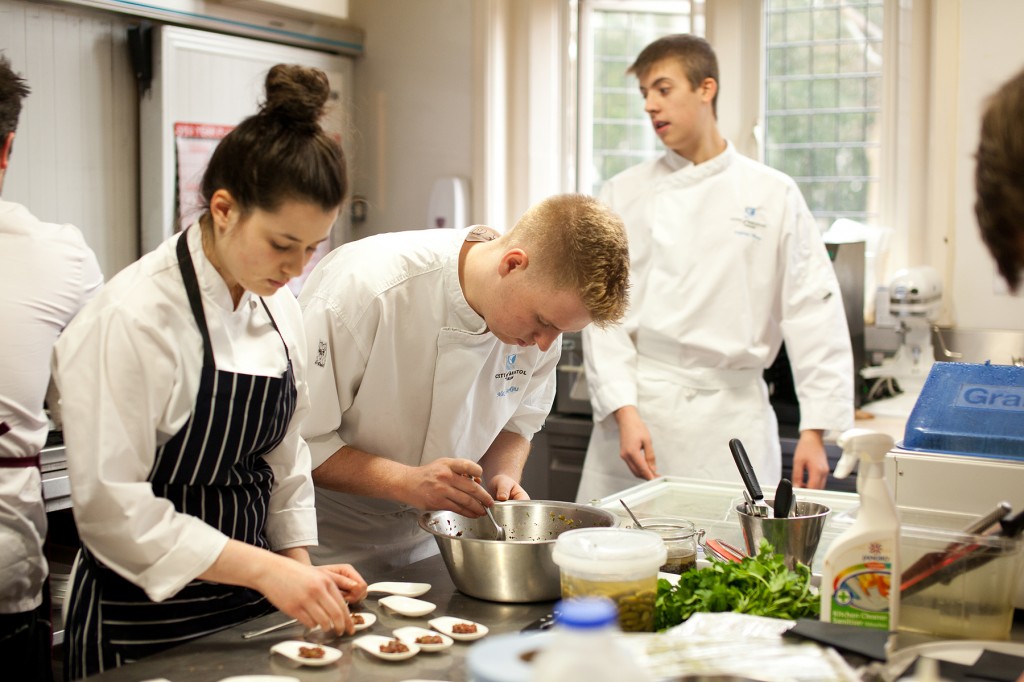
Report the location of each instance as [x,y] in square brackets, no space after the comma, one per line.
[959,557]
[756,506]
[723,551]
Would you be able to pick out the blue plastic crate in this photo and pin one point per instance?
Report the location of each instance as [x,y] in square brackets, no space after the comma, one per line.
[969,409]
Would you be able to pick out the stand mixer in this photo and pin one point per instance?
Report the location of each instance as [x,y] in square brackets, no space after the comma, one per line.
[912,305]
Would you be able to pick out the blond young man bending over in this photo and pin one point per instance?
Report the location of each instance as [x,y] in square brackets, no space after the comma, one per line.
[433,362]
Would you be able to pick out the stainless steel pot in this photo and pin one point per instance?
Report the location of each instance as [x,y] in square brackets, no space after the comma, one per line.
[520,569]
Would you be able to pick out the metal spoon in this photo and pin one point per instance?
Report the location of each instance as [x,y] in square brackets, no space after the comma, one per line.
[632,516]
[272,628]
[499,530]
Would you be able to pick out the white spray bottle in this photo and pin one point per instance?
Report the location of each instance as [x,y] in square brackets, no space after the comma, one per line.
[860,581]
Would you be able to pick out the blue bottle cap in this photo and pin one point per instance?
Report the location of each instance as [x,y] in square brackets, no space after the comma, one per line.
[586,613]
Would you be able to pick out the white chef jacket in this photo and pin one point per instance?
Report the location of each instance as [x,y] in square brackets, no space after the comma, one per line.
[128,369]
[726,263]
[47,273]
[404,368]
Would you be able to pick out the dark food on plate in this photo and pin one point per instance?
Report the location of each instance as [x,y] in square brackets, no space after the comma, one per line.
[464,628]
[311,652]
[430,639]
[393,646]
[357,619]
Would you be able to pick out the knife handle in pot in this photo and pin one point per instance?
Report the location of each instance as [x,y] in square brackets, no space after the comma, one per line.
[746,470]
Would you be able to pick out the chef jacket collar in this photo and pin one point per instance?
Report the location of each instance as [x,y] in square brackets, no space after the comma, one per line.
[710,167]
[211,283]
[461,315]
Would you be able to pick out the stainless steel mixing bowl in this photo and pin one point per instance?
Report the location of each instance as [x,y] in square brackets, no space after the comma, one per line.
[520,569]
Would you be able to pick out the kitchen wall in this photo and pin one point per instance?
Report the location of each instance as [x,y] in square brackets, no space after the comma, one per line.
[414,97]
[75,154]
[416,92]
[988,52]
[412,106]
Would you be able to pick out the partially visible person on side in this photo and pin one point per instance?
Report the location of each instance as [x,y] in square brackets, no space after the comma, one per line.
[47,273]
[999,179]
[434,356]
[727,263]
[183,389]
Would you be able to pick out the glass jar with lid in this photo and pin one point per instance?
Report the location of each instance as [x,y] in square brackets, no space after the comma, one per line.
[681,539]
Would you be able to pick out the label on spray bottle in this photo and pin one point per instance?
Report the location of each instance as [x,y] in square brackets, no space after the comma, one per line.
[860,592]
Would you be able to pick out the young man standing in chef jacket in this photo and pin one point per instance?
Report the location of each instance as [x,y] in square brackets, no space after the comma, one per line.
[727,263]
[433,357]
[47,273]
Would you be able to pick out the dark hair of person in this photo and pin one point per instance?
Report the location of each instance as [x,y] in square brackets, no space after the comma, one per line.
[999,179]
[13,89]
[694,54]
[281,153]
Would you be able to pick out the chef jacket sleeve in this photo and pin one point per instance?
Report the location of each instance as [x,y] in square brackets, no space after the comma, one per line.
[609,354]
[540,395]
[814,323]
[291,518]
[116,376]
[337,365]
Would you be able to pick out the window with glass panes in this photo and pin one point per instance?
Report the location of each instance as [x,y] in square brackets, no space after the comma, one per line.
[614,131]
[823,102]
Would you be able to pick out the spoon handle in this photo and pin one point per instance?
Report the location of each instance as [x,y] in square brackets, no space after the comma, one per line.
[632,515]
[499,530]
[272,628]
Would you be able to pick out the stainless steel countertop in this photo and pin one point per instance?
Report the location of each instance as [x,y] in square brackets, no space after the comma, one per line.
[224,654]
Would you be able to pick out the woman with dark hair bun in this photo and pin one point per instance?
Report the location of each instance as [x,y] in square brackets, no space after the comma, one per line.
[183,385]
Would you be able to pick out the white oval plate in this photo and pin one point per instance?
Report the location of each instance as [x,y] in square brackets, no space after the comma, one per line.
[368,619]
[409,635]
[401,589]
[371,644]
[444,625]
[407,606]
[290,649]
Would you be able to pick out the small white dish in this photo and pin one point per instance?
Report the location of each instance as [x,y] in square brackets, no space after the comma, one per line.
[371,644]
[444,625]
[409,635]
[291,649]
[369,619]
[401,589]
[406,606]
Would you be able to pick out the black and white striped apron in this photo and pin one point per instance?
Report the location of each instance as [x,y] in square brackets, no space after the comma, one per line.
[213,468]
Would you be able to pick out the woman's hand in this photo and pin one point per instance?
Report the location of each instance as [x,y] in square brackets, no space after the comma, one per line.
[315,596]
[348,580]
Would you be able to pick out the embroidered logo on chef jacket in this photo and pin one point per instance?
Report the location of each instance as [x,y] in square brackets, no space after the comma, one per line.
[751,221]
[321,354]
[509,374]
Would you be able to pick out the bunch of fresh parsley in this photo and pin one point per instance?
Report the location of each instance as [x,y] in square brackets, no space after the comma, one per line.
[761,586]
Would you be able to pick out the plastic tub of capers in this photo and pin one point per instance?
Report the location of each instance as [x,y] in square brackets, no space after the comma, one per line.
[618,563]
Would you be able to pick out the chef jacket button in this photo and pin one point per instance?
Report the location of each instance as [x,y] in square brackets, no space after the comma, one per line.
[252,303]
